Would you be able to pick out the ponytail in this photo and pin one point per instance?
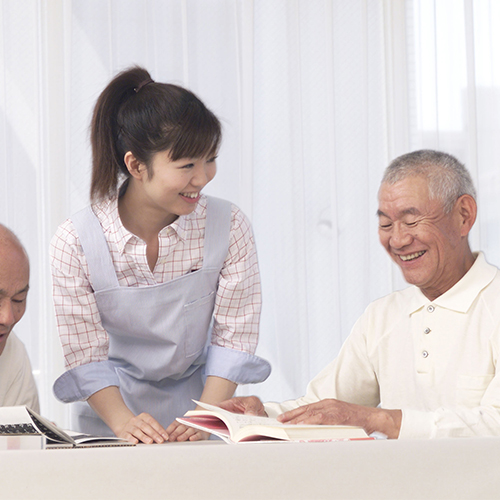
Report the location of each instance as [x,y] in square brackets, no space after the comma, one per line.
[107,159]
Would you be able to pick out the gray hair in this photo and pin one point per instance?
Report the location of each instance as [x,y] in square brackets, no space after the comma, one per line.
[448,179]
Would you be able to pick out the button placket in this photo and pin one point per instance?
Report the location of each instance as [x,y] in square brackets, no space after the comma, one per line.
[424,353]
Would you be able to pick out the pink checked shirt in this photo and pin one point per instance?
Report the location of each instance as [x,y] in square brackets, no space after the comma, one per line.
[238,301]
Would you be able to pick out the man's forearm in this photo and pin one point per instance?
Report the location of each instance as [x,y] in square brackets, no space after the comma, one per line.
[387,422]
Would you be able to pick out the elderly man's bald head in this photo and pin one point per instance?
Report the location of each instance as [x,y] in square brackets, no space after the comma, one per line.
[9,240]
[14,282]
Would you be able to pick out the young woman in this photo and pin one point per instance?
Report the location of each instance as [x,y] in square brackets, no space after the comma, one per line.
[156,286]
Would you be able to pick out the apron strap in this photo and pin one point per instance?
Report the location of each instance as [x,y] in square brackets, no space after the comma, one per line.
[96,250]
[217,229]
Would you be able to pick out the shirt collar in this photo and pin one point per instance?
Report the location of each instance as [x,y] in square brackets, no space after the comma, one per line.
[184,223]
[109,217]
[461,296]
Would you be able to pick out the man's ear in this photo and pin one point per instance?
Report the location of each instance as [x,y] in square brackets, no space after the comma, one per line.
[134,166]
[467,211]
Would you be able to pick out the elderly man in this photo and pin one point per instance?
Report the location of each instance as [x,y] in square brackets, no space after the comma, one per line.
[419,363]
[17,386]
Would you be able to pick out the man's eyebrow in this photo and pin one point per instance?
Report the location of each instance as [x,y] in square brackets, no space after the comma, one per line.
[406,211]
[4,292]
[410,211]
[25,289]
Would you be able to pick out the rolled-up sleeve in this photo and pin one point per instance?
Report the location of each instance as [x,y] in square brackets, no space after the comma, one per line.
[237,366]
[79,383]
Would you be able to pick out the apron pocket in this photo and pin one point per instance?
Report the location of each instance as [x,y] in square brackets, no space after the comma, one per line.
[197,319]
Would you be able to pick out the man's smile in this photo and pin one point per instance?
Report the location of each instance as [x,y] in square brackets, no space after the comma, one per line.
[411,256]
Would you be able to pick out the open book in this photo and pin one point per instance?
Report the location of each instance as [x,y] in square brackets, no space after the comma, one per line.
[22,424]
[237,428]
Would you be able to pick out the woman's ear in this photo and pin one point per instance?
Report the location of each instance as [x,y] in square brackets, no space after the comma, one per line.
[134,166]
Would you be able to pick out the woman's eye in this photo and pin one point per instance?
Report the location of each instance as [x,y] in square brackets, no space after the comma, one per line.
[211,160]
[189,165]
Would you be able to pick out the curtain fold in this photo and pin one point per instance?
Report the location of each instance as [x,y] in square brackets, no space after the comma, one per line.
[315,97]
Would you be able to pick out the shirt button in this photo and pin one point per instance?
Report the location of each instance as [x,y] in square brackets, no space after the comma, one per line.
[427,330]
[425,354]
[430,309]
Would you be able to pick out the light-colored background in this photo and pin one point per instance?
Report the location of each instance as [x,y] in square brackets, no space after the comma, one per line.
[316,96]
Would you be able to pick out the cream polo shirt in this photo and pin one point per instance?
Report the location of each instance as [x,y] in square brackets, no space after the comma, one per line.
[17,385]
[434,360]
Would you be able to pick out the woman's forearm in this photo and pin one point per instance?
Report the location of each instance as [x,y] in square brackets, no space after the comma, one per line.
[109,405]
[111,408]
[217,389]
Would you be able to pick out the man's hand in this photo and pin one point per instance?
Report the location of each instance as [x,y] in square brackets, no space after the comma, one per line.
[142,428]
[335,412]
[179,432]
[249,405]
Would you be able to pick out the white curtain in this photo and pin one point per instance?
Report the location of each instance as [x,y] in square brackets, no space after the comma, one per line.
[316,97]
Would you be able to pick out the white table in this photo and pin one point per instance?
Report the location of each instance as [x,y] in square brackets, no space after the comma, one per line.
[441,469]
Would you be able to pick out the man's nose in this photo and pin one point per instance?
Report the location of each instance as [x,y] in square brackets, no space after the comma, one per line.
[400,237]
[7,316]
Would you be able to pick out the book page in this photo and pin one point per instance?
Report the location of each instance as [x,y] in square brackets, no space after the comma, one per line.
[239,419]
[250,427]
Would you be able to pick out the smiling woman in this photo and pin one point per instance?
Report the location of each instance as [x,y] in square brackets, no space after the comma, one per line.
[154,271]
[162,191]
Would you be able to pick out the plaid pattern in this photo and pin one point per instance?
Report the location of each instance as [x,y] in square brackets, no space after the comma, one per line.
[238,301]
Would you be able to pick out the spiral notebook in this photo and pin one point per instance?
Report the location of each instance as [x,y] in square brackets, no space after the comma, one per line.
[21,422]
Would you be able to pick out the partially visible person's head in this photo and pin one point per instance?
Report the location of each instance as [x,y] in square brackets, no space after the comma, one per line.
[14,282]
[136,114]
[426,210]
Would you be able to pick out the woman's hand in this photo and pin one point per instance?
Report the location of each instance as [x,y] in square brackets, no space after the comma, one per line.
[248,405]
[142,428]
[109,405]
[179,432]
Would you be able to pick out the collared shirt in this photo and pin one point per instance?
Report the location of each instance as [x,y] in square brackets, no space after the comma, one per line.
[238,301]
[17,385]
[435,360]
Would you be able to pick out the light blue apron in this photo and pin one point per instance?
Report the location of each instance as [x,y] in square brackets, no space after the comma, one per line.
[157,334]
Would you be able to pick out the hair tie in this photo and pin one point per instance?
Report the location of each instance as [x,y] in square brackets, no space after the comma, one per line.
[143,84]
